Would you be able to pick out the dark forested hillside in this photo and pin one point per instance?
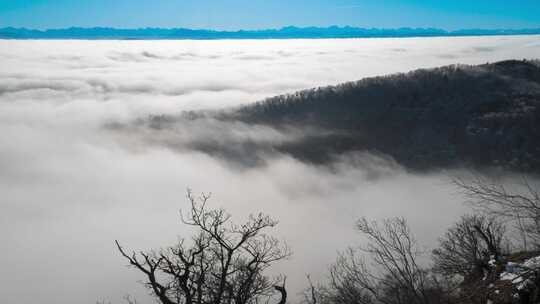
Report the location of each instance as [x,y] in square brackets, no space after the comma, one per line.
[486,115]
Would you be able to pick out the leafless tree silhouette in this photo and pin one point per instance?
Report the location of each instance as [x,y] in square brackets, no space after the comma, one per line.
[224,263]
[393,276]
[520,204]
[471,255]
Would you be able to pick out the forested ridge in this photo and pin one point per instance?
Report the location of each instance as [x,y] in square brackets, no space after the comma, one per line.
[459,115]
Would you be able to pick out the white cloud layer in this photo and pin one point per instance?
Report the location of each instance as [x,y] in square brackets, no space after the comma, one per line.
[69,187]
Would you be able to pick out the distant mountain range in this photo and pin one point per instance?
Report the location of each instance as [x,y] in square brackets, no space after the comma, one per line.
[290,32]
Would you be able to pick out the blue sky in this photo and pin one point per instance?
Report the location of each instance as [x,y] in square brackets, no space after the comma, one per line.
[256,14]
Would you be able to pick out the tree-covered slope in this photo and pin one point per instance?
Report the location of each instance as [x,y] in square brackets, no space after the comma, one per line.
[481,116]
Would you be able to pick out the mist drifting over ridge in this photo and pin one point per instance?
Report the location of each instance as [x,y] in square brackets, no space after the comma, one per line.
[70,186]
[482,116]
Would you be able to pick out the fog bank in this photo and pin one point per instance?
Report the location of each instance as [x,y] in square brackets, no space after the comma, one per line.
[70,186]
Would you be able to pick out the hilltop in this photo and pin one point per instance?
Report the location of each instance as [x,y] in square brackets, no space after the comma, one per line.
[459,115]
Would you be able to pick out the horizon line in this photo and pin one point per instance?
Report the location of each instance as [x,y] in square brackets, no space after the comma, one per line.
[285,32]
[334,26]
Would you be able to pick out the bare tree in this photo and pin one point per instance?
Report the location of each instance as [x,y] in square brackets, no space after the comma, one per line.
[351,281]
[311,294]
[520,204]
[394,275]
[394,250]
[471,254]
[223,264]
[467,247]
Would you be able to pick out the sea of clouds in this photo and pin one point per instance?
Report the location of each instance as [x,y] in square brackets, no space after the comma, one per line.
[70,184]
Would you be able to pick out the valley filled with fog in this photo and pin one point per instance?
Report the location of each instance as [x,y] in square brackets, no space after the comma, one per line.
[71,183]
